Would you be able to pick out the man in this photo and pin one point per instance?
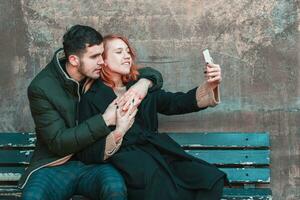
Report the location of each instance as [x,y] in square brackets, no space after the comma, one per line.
[54,95]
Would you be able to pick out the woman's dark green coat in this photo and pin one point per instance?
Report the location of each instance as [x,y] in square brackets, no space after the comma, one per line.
[150,162]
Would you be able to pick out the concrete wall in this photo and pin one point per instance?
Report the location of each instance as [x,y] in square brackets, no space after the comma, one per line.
[255,42]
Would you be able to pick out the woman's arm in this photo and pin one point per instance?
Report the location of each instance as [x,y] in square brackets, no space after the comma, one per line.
[153,75]
[206,95]
[149,79]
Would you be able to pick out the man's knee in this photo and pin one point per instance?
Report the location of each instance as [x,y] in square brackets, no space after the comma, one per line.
[113,184]
[114,190]
[33,195]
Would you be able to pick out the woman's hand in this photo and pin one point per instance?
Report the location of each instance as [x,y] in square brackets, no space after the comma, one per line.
[213,75]
[125,119]
[136,94]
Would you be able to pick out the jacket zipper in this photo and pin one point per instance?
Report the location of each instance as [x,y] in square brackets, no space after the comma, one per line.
[77,105]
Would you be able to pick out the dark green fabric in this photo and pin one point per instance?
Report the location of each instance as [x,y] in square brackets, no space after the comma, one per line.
[54,98]
[150,74]
[146,155]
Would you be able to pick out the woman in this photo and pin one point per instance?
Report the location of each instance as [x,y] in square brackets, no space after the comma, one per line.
[153,165]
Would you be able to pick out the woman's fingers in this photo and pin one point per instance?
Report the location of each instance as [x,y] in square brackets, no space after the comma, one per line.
[132,108]
[213,74]
[118,112]
[128,103]
[124,98]
[132,115]
[214,79]
[132,99]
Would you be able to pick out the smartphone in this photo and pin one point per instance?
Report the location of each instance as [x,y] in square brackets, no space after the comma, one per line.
[208,59]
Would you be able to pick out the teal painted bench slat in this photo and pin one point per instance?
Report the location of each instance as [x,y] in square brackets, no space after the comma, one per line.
[221,157]
[233,157]
[245,157]
[235,175]
[15,156]
[247,175]
[17,140]
[10,173]
[247,194]
[9,193]
[226,140]
[14,193]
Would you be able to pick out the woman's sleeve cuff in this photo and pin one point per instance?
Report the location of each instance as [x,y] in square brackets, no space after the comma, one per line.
[111,146]
[207,97]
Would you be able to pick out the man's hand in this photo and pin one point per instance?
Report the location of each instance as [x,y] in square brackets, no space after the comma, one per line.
[109,115]
[125,119]
[213,75]
[135,94]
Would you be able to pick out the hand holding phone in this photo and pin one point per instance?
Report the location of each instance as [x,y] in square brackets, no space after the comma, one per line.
[212,71]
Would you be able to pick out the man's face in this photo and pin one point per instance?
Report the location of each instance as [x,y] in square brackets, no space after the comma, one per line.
[91,61]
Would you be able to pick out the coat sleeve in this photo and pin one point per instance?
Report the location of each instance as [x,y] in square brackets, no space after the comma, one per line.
[152,75]
[97,152]
[51,127]
[169,103]
[194,100]
[94,153]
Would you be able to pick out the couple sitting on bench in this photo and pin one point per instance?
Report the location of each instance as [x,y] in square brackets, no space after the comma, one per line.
[95,132]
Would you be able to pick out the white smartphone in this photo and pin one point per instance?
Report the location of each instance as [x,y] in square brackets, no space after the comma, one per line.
[208,59]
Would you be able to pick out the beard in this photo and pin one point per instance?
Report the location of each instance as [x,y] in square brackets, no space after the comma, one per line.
[88,73]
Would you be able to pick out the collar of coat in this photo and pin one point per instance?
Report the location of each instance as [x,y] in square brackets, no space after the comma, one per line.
[68,83]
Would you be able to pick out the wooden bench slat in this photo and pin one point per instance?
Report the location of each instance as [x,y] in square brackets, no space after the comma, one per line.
[11,173]
[9,188]
[233,157]
[14,193]
[268,197]
[15,156]
[247,175]
[9,192]
[228,193]
[235,175]
[247,194]
[17,139]
[219,157]
[226,139]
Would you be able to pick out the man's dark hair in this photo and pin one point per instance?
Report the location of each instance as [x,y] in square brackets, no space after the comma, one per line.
[78,37]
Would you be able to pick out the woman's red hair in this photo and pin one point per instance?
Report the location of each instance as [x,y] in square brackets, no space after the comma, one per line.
[104,74]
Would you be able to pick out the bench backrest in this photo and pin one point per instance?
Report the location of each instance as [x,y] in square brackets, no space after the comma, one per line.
[15,152]
[245,157]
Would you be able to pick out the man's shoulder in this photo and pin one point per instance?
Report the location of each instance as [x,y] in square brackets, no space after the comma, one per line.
[43,79]
[47,74]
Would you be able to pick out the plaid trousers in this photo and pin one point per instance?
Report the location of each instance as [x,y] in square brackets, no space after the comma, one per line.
[97,181]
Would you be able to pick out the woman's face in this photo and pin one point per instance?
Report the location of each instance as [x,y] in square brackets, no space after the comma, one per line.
[118,58]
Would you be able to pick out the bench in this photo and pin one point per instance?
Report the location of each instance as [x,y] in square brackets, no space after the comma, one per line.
[245,157]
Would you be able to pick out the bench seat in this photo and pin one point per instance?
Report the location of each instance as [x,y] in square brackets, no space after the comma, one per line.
[244,156]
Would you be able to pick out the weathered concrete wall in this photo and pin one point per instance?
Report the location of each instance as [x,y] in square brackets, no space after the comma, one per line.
[256,43]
